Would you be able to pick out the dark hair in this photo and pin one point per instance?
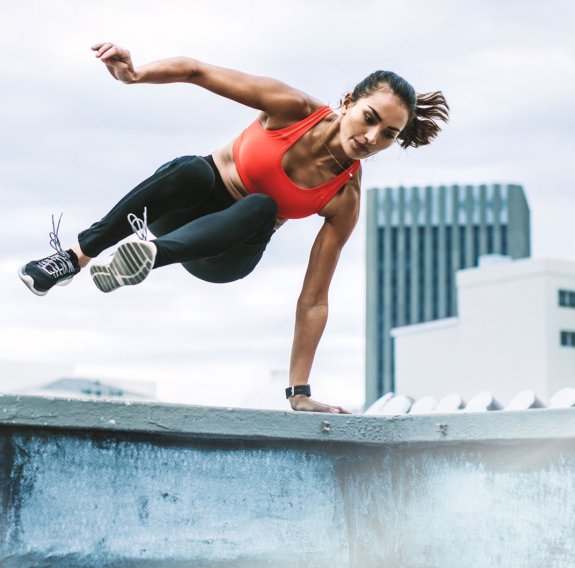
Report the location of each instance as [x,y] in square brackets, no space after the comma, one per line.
[425,109]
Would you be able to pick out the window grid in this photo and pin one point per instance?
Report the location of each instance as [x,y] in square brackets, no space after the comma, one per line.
[567,298]
[568,338]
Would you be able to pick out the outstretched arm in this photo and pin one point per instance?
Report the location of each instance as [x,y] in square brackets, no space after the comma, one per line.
[312,306]
[262,93]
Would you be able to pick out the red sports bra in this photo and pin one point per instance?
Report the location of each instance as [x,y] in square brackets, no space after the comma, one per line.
[258,157]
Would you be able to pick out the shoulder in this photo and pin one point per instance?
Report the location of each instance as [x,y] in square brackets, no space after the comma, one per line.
[293,109]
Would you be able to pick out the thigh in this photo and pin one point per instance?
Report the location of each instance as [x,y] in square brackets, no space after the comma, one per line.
[215,199]
[230,266]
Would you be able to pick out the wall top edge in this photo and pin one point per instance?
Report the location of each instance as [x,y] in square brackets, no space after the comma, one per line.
[175,420]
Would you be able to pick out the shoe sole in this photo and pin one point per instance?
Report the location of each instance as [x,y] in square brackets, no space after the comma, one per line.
[130,265]
[29,281]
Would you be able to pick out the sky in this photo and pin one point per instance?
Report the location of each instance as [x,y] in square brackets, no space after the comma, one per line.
[73,140]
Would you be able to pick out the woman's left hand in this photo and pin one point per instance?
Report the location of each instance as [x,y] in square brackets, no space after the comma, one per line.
[302,403]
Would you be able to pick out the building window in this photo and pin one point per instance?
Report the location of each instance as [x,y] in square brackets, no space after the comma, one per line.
[435,272]
[490,239]
[568,338]
[476,246]
[462,246]
[504,249]
[567,298]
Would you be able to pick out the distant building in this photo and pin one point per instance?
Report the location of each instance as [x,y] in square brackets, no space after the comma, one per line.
[417,239]
[93,388]
[515,330]
[46,379]
[17,377]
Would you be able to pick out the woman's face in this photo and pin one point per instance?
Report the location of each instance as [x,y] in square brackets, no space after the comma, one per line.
[372,123]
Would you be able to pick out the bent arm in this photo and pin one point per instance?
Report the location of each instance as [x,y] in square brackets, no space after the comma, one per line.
[312,305]
[263,93]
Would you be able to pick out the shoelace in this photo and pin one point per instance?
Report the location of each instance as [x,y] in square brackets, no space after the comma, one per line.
[58,264]
[139,226]
[54,239]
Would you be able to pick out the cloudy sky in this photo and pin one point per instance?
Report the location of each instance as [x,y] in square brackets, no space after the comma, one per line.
[73,140]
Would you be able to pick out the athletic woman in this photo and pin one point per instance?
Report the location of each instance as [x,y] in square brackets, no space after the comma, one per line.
[215,214]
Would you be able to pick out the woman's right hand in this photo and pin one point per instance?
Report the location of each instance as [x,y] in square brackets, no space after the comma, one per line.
[302,403]
[117,60]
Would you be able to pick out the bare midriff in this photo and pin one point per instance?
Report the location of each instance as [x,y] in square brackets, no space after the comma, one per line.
[224,160]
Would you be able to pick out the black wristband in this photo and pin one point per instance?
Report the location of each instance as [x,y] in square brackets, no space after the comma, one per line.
[298,389]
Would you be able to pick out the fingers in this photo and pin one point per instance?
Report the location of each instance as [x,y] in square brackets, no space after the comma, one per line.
[107,51]
[302,403]
[101,48]
[336,410]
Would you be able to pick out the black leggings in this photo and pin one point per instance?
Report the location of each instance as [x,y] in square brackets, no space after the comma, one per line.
[195,219]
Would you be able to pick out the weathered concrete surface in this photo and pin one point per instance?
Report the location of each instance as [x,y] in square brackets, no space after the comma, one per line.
[229,423]
[97,484]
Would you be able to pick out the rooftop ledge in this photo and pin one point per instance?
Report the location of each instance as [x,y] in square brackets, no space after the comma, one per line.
[177,420]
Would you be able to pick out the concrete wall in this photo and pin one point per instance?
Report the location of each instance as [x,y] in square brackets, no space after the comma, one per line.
[110,484]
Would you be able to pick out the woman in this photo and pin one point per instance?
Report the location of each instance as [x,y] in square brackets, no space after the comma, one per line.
[216,214]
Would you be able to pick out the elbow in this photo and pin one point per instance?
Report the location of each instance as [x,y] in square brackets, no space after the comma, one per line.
[193,70]
[312,307]
[312,300]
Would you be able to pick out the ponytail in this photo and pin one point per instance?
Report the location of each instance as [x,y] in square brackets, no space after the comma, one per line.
[423,126]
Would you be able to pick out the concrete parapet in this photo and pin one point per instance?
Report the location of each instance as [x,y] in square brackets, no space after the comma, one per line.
[116,484]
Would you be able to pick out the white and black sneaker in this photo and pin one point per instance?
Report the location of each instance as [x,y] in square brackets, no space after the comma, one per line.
[57,269]
[130,264]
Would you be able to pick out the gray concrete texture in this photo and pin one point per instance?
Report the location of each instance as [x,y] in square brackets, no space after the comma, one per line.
[101,484]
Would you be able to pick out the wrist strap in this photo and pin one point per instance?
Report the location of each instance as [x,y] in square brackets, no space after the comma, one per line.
[298,389]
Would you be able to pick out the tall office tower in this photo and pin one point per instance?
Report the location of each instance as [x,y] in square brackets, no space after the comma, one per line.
[417,238]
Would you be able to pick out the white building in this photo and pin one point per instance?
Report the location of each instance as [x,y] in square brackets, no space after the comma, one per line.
[515,330]
[59,379]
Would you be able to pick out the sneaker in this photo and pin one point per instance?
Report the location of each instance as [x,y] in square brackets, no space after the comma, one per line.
[57,269]
[130,265]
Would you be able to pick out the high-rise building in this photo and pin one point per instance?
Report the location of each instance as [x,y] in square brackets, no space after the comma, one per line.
[417,239]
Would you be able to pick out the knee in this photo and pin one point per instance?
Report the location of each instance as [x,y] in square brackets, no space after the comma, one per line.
[193,170]
[264,208]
